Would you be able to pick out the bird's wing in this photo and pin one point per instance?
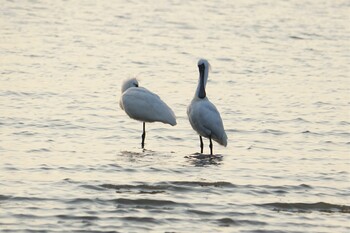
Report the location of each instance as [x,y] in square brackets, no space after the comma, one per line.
[211,120]
[141,104]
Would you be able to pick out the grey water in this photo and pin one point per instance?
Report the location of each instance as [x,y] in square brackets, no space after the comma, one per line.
[70,158]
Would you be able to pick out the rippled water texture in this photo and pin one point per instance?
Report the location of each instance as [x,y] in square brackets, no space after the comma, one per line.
[71,159]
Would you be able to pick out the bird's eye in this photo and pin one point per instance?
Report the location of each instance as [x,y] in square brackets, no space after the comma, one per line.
[136,85]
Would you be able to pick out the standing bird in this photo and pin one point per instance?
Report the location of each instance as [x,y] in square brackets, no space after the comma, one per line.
[142,105]
[205,119]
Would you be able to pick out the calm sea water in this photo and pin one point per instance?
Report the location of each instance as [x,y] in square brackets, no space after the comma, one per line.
[71,158]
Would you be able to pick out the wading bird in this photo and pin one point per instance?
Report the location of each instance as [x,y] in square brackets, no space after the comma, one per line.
[205,119]
[142,105]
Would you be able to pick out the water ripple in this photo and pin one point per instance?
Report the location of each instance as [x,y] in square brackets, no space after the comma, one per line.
[308,207]
[148,202]
[71,159]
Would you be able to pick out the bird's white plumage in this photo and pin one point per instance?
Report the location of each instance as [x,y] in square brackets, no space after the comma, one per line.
[143,105]
[204,118]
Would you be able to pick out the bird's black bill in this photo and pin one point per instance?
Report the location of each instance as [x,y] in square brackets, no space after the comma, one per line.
[201,93]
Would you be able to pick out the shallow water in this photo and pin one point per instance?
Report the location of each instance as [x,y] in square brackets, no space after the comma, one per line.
[71,158]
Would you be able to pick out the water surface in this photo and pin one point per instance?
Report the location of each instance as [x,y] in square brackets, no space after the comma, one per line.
[71,159]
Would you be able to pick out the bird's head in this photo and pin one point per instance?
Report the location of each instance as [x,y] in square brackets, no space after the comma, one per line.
[131,82]
[203,64]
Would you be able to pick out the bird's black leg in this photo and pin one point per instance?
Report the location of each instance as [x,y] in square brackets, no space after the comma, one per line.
[143,136]
[211,146]
[201,140]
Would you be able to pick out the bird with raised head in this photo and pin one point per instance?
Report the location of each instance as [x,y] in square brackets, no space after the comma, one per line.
[204,118]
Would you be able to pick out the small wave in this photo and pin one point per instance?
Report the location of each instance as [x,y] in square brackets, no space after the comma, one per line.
[300,120]
[267,231]
[141,186]
[339,133]
[4,197]
[309,132]
[45,167]
[26,199]
[274,132]
[241,131]
[163,187]
[287,187]
[41,150]
[10,167]
[218,184]
[296,38]
[190,186]
[34,95]
[141,219]
[344,123]
[229,222]
[320,103]
[148,202]
[71,217]
[92,187]
[308,207]
[200,212]
[262,148]
[26,216]
[25,133]
[271,189]
[225,59]
[81,200]
[141,189]
[312,35]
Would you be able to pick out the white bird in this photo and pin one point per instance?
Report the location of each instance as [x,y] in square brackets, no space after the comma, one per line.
[205,119]
[143,105]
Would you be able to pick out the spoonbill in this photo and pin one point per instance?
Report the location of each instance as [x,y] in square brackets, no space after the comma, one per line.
[205,119]
[143,105]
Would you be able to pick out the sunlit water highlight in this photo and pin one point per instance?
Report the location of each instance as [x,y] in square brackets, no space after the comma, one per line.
[71,159]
